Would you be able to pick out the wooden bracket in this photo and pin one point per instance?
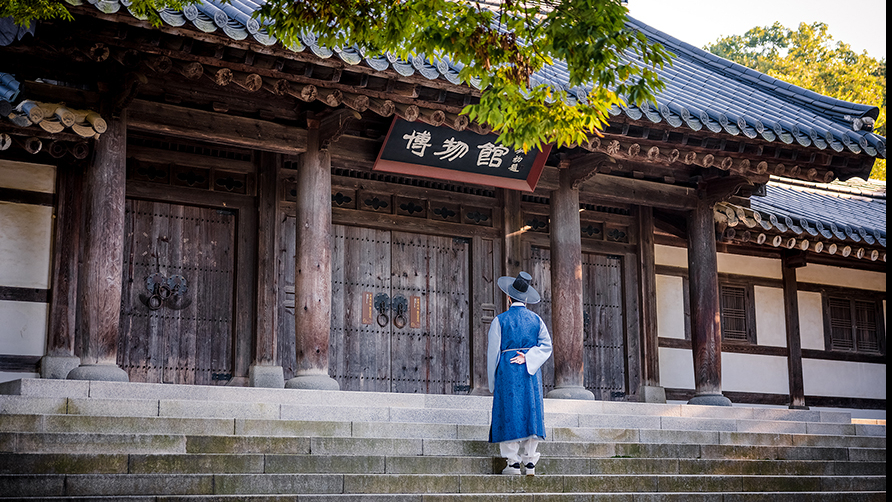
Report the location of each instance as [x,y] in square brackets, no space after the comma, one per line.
[583,168]
[794,259]
[333,126]
[127,92]
[720,189]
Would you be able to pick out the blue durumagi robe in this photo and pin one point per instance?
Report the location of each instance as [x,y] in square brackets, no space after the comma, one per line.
[517,407]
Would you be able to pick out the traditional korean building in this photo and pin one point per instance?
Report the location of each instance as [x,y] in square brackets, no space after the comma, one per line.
[199,204]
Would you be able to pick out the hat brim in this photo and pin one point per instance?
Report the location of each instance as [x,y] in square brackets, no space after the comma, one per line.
[506,284]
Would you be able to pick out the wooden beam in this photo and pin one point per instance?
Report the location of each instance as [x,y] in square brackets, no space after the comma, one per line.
[618,190]
[180,122]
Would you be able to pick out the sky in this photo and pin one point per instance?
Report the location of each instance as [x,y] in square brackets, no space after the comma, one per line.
[859,23]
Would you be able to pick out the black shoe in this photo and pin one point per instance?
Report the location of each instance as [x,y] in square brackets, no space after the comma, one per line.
[512,469]
[530,469]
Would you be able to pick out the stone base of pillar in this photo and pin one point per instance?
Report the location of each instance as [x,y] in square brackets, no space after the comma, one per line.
[481,391]
[101,372]
[316,382]
[710,400]
[575,392]
[799,407]
[652,394]
[272,377]
[58,367]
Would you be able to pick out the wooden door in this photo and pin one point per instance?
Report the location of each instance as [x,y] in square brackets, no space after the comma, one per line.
[430,353]
[427,350]
[604,327]
[186,335]
[604,339]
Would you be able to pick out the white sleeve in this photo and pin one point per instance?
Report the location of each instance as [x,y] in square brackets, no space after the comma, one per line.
[537,355]
[492,351]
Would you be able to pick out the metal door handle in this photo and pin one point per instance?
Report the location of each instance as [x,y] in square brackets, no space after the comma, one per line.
[401,305]
[382,305]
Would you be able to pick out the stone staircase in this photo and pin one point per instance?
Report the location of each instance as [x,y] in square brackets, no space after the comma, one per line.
[78,440]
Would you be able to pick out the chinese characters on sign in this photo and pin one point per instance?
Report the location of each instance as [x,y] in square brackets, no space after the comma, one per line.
[443,153]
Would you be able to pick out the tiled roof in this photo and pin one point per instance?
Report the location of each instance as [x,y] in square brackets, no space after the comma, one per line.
[51,117]
[9,87]
[703,90]
[850,216]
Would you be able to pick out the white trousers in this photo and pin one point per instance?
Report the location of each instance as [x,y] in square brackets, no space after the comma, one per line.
[511,450]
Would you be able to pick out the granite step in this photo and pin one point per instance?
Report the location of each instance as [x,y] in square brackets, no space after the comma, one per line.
[489,497]
[191,399]
[98,443]
[12,485]
[223,416]
[258,463]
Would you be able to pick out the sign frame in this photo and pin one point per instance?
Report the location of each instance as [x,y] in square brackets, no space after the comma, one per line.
[424,170]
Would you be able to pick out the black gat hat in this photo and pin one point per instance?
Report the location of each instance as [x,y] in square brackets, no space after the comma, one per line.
[519,288]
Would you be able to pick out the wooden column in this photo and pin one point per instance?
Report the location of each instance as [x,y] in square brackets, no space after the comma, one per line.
[100,284]
[706,331]
[651,390]
[794,343]
[312,271]
[60,359]
[264,372]
[566,288]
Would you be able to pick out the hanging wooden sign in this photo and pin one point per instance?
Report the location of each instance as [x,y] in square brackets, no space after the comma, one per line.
[419,149]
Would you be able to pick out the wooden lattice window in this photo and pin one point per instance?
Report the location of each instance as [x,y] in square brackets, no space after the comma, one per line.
[738,313]
[852,325]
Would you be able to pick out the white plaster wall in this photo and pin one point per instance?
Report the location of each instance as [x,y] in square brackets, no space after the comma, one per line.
[31,177]
[25,245]
[670,306]
[671,256]
[771,323]
[811,320]
[754,373]
[749,265]
[843,277]
[844,379]
[676,368]
[23,328]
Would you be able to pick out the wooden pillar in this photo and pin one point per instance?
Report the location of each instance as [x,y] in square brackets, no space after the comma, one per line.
[100,284]
[312,271]
[566,291]
[794,343]
[706,331]
[264,372]
[60,359]
[651,390]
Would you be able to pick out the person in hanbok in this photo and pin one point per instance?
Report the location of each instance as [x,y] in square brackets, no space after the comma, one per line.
[518,346]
